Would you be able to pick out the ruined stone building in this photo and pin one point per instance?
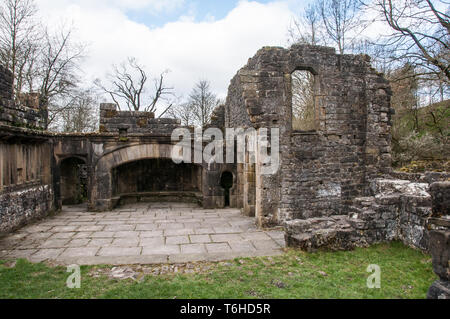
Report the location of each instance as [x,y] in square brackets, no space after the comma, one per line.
[334,186]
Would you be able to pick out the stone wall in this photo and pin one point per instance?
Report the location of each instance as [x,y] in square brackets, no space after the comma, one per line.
[6,79]
[12,114]
[397,210]
[18,208]
[218,117]
[26,180]
[26,113]
[127,122]
[324,170]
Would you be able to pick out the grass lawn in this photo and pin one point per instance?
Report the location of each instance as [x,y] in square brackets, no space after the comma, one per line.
[405,273]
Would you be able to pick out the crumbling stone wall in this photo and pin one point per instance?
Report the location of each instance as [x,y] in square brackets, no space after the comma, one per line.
[19,207]
[25,113]
[218,117]
[112,121]
[397,210]
[6,79]
[321,171]
[15,115]
[26,188]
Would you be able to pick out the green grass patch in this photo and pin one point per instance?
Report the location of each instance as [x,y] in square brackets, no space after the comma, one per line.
[405,273]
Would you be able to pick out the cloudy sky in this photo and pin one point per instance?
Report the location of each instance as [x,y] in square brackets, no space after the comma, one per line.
[194,39]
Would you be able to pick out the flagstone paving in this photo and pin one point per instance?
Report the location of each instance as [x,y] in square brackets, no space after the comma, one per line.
[144,233]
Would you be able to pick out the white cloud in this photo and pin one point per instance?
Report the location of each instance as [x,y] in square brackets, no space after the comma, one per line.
[158,5]
[124,5]
[213,49]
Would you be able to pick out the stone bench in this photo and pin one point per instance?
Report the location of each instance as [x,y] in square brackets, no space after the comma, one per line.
[159,196]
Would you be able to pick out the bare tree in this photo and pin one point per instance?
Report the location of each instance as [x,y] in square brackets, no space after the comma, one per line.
[18,37]
[341,20]
[128,85]
[76,112]
[420,35]
[184,112]
[42,62]
[306,28]
[202,103]
[58,66]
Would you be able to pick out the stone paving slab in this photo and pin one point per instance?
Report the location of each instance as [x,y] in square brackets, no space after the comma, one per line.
[144,233]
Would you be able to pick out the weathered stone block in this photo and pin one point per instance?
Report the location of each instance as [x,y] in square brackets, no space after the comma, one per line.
[439,290]
[440,251]
[440,193]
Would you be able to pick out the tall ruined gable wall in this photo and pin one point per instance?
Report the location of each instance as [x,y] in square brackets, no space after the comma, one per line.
[320,171]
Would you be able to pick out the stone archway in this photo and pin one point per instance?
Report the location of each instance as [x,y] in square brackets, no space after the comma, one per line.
[157,180]
[103,195]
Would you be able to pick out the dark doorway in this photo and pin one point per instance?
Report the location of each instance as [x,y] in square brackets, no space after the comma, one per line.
[226,182]
[73,181]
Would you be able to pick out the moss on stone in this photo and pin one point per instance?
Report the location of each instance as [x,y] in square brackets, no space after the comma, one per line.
[142,122]
[110,113]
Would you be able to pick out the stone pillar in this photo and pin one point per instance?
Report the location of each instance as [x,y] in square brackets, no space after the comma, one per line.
[440,240]
[267,187]
[249,185]
[100,182]
[101,198]
[213,194]
[240,185]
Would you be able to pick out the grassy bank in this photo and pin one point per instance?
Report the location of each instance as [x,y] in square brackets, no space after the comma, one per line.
[405,273]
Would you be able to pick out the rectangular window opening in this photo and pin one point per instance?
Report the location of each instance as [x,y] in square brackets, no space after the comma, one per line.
[303,101]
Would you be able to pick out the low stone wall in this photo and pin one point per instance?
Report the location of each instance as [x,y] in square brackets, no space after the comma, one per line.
[17,208]
[124,122]
[331,233]
[398,210]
